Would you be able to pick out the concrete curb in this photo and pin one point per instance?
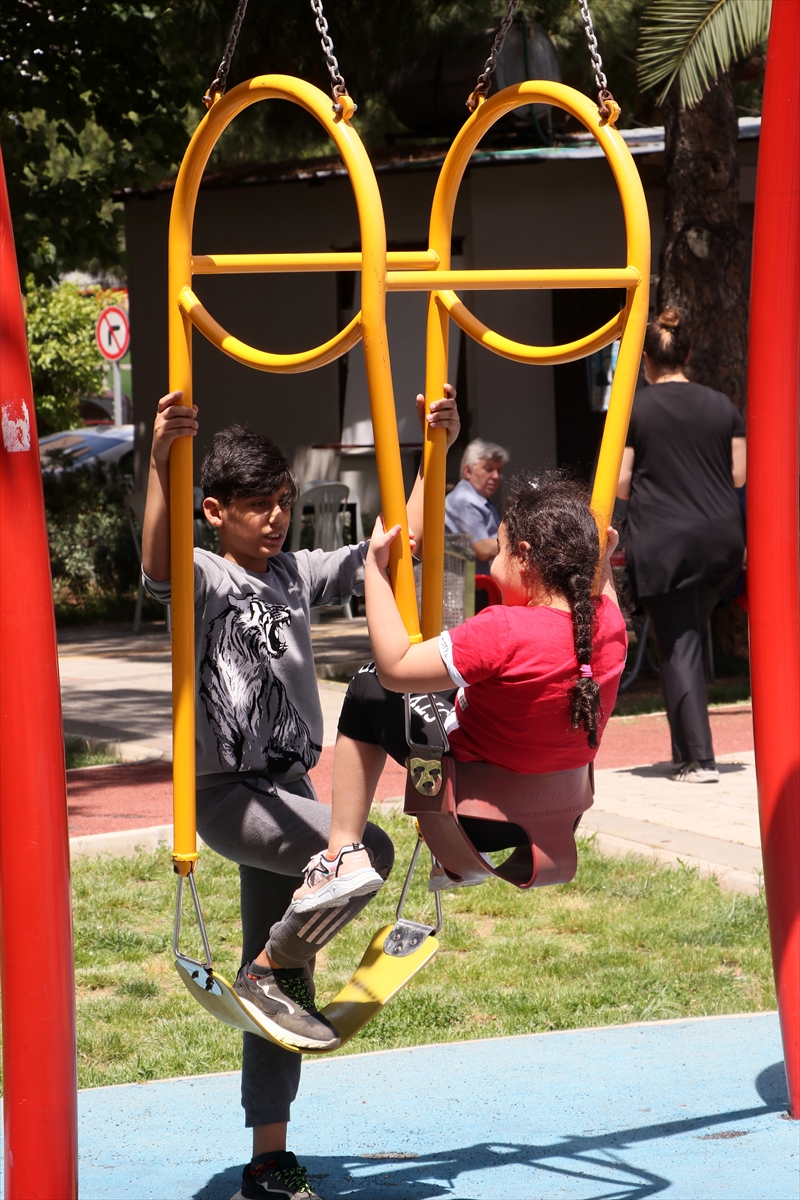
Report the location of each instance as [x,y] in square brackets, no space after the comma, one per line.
[132,751]
[127,843]
[122,843]
[729,879]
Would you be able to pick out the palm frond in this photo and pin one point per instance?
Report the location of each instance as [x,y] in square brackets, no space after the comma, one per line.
[696,41]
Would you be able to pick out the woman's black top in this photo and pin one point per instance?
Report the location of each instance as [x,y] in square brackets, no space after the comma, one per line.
[684,521]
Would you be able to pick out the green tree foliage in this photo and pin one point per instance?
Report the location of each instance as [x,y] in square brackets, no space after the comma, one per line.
[696,41]
[109,71]
[100,95]
[65,361]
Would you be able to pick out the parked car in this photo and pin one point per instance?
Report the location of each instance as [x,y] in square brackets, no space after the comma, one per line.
[84,447]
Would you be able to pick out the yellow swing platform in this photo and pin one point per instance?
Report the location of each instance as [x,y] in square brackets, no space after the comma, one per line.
[396,953]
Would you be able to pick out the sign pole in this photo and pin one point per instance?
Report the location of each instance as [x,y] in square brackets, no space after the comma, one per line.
[117,393]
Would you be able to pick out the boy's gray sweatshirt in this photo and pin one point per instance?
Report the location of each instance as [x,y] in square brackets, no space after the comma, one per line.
[257,700]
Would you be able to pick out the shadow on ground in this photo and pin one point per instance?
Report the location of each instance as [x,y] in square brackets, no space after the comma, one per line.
[662,770]
[594,1160]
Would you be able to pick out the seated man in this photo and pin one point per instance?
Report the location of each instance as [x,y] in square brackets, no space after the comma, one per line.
[469,508]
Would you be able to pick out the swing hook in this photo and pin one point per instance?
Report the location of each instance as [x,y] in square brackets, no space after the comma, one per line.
[216,88]
[343,105]
[606,104]
[481,89]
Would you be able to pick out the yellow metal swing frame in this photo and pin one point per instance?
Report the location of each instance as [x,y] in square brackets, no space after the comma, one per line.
[380,975]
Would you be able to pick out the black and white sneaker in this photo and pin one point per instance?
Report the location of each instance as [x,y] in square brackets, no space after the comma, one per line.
[281,1001]
[278,1174]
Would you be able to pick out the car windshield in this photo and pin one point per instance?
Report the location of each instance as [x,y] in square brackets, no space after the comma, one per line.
[69,447]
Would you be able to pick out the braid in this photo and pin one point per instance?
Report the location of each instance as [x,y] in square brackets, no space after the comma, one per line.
[585,705]
[552,514]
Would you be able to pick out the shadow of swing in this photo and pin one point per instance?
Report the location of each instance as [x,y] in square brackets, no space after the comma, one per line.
[591,1159]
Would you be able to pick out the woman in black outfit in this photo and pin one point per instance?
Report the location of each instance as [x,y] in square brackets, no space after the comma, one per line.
[685,454]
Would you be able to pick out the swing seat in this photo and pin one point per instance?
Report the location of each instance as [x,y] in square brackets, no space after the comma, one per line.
[378,977]
[546,807]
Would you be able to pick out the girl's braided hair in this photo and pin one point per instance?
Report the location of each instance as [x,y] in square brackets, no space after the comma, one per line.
[551,512]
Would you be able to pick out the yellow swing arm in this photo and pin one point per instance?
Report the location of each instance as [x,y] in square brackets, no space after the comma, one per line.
[380,974]
[629,324]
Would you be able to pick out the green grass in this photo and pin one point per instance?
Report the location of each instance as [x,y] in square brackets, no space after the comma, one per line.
[80,752]
[625,941]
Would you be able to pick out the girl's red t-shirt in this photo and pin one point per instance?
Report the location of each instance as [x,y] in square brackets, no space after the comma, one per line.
[515,668]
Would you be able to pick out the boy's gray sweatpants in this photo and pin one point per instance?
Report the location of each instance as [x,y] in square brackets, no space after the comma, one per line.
[272,830]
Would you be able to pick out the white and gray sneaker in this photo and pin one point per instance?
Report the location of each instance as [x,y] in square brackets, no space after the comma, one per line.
[275,1174]
[695,772]
[280,1000]
[440,881]
[331,882]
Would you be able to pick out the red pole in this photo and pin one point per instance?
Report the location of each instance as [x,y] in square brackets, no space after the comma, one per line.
[772,514]
[36,967]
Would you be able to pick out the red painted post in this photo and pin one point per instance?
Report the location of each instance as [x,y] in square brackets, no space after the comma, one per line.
[772,514]
[36,966]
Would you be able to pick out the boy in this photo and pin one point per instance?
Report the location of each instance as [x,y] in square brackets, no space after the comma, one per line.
[259,731]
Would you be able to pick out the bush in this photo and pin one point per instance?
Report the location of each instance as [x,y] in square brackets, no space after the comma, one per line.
[65,361]
[92,552]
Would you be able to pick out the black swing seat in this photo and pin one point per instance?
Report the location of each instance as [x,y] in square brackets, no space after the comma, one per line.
[547,808]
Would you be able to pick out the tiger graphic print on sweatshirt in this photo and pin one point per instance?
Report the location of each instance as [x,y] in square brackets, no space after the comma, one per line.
[256,726]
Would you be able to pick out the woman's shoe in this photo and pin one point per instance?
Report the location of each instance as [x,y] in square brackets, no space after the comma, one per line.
[695,772]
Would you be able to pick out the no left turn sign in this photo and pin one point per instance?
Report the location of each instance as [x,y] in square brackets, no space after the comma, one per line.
[112,332]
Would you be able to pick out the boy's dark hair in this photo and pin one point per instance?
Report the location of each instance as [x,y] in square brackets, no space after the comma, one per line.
[243,463]
[552,513]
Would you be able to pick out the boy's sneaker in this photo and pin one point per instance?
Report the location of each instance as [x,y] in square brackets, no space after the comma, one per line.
[331,882]
[276,1174]
[281,1001]
[695,772]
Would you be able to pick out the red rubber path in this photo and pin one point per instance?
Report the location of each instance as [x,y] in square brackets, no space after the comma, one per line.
[133,796]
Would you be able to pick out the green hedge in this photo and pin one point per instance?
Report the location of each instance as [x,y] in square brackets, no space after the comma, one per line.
[93,558]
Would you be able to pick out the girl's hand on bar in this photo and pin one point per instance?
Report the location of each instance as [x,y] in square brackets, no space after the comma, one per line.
[443,414]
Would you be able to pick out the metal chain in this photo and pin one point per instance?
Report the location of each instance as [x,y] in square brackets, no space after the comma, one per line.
[339,87]
[603,94]
[481,88]
[217,88]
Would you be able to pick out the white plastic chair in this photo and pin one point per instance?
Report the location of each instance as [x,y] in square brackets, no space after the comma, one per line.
[326,500]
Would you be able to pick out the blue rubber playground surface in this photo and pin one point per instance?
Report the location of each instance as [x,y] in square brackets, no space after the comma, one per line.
[680,1109]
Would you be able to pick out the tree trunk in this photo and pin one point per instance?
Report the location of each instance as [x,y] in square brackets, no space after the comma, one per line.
[702,261]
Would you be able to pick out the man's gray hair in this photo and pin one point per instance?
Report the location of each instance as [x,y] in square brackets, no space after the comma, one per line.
[478,449]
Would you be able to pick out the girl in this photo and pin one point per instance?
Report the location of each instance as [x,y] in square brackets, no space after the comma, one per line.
[537,676]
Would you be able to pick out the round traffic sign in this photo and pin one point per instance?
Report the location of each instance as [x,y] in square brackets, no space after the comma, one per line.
[112,332]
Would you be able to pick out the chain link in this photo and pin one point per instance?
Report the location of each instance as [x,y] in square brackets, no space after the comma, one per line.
[603,94]
[338,85]
[481,89]
[217,88]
